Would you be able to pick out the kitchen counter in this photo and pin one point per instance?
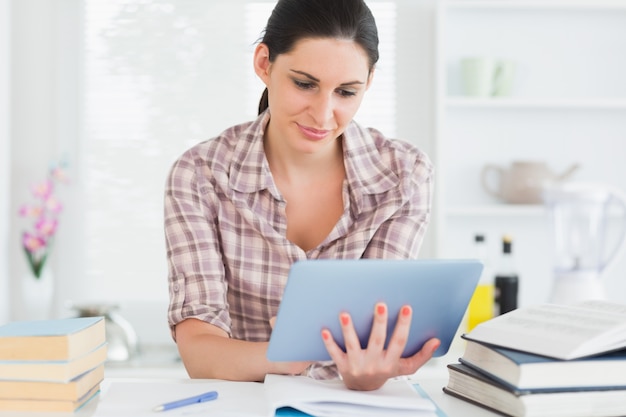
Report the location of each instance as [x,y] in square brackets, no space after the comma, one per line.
[151,362]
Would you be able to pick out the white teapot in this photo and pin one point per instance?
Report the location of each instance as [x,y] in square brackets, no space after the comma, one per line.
[522,182]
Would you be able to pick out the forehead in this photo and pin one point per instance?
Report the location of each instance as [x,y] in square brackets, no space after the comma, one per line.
[329,57]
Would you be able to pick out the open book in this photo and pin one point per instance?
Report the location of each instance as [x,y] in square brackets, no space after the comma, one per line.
[558,331]
[252,399]
[333,399]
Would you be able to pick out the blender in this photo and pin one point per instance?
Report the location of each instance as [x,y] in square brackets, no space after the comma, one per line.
[586,243]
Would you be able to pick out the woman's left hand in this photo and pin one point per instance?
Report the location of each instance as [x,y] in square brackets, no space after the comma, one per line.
[368,369]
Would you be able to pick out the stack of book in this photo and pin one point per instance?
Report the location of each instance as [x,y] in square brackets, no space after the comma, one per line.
[51,365]
[546,360]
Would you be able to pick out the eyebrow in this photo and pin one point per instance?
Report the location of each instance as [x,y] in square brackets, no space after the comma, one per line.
[312,78]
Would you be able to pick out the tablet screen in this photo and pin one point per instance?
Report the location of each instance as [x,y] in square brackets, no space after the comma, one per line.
[317,291]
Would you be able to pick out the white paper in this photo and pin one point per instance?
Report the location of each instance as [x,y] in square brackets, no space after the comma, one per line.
[137,398]
[332,398]
[558,331]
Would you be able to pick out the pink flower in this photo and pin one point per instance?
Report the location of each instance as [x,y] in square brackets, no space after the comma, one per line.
[53,205]
[46,227]
[43,190]
[37,242]
[32,243]
[59,174]
[30,211]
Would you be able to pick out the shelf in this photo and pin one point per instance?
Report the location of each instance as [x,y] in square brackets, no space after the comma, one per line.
[512,210]
[537,103]
[498,210]
[539,4]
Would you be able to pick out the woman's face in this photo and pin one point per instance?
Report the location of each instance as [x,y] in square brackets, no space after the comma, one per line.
[314,90]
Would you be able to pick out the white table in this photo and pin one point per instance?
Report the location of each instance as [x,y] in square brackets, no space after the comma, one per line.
[432,378]
[453,407]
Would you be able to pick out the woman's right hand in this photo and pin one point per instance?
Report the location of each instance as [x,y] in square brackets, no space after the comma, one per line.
[369,368]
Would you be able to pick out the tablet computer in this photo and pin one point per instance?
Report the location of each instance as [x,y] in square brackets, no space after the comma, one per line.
[317,291]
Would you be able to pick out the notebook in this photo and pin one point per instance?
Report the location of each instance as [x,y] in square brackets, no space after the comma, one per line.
[317,291]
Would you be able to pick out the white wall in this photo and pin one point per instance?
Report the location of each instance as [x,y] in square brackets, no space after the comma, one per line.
[44,120]
[415,71]
[33,118]
[46,85]
[5,160]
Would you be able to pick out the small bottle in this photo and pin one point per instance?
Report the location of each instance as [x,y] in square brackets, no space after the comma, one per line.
[506,279]
[481,306]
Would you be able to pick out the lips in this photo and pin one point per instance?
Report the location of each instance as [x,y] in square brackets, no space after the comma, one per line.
[313,134]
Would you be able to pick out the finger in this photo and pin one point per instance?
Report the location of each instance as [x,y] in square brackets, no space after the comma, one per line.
[378,334]
[335,352]
[350,338]
[410,365]
[400,335]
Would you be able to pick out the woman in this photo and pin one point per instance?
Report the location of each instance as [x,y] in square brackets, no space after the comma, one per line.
[302,181]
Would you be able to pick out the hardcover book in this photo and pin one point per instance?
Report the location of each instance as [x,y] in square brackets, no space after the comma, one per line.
[558,331]
[53,371]
[529,371]
[48,405]
[73,390]
[51,340]
[472,386]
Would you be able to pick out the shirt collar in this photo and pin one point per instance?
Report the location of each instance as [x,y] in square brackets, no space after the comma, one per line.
[249,169]
[366,171]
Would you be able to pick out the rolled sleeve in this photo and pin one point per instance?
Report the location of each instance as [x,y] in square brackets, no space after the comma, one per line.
[197,285]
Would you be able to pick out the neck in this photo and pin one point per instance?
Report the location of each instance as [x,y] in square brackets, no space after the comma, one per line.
[301,168]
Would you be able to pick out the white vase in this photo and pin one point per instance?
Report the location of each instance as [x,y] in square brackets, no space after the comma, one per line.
[37,295]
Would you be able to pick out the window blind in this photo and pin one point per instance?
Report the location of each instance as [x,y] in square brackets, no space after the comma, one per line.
[160,76]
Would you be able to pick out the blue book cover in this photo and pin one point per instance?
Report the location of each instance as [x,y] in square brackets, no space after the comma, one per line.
[55,327]
[476,388]
[292,412]
[51,340]
[529,371]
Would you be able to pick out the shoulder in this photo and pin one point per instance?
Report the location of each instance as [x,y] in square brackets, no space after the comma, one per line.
[216,150]
[402,156]
[395,159]
[213,155]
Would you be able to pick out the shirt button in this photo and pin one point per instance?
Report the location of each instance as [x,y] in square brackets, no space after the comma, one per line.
[176,287]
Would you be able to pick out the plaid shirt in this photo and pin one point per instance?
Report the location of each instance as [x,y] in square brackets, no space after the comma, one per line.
[225,225]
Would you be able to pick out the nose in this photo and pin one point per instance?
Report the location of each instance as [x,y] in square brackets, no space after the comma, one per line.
[322,108]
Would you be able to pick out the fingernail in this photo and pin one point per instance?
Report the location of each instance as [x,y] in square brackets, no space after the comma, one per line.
[325,334]
[406,310]
[345,320]
[380,309]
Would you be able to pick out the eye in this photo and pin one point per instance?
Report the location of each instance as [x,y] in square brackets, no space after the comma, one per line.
[346,93]
[303,85]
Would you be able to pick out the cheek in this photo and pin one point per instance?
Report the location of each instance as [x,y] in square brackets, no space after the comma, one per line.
[291,100]
[346,110]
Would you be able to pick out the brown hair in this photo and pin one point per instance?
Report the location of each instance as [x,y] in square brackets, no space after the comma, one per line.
[293,20]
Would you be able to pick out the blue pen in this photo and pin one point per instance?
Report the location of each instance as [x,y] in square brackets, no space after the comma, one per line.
[207,396]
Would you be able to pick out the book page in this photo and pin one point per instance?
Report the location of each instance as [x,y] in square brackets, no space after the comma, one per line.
[332,398]
[558,331]
[605,306]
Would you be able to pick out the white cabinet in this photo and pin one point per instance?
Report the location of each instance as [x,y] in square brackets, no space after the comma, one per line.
[568,103]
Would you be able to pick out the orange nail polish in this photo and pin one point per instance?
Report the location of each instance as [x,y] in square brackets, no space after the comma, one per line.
[325,335]
[406,310]
[380,308]
[345,320]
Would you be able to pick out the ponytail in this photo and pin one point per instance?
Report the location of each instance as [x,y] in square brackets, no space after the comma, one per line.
[264,103]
